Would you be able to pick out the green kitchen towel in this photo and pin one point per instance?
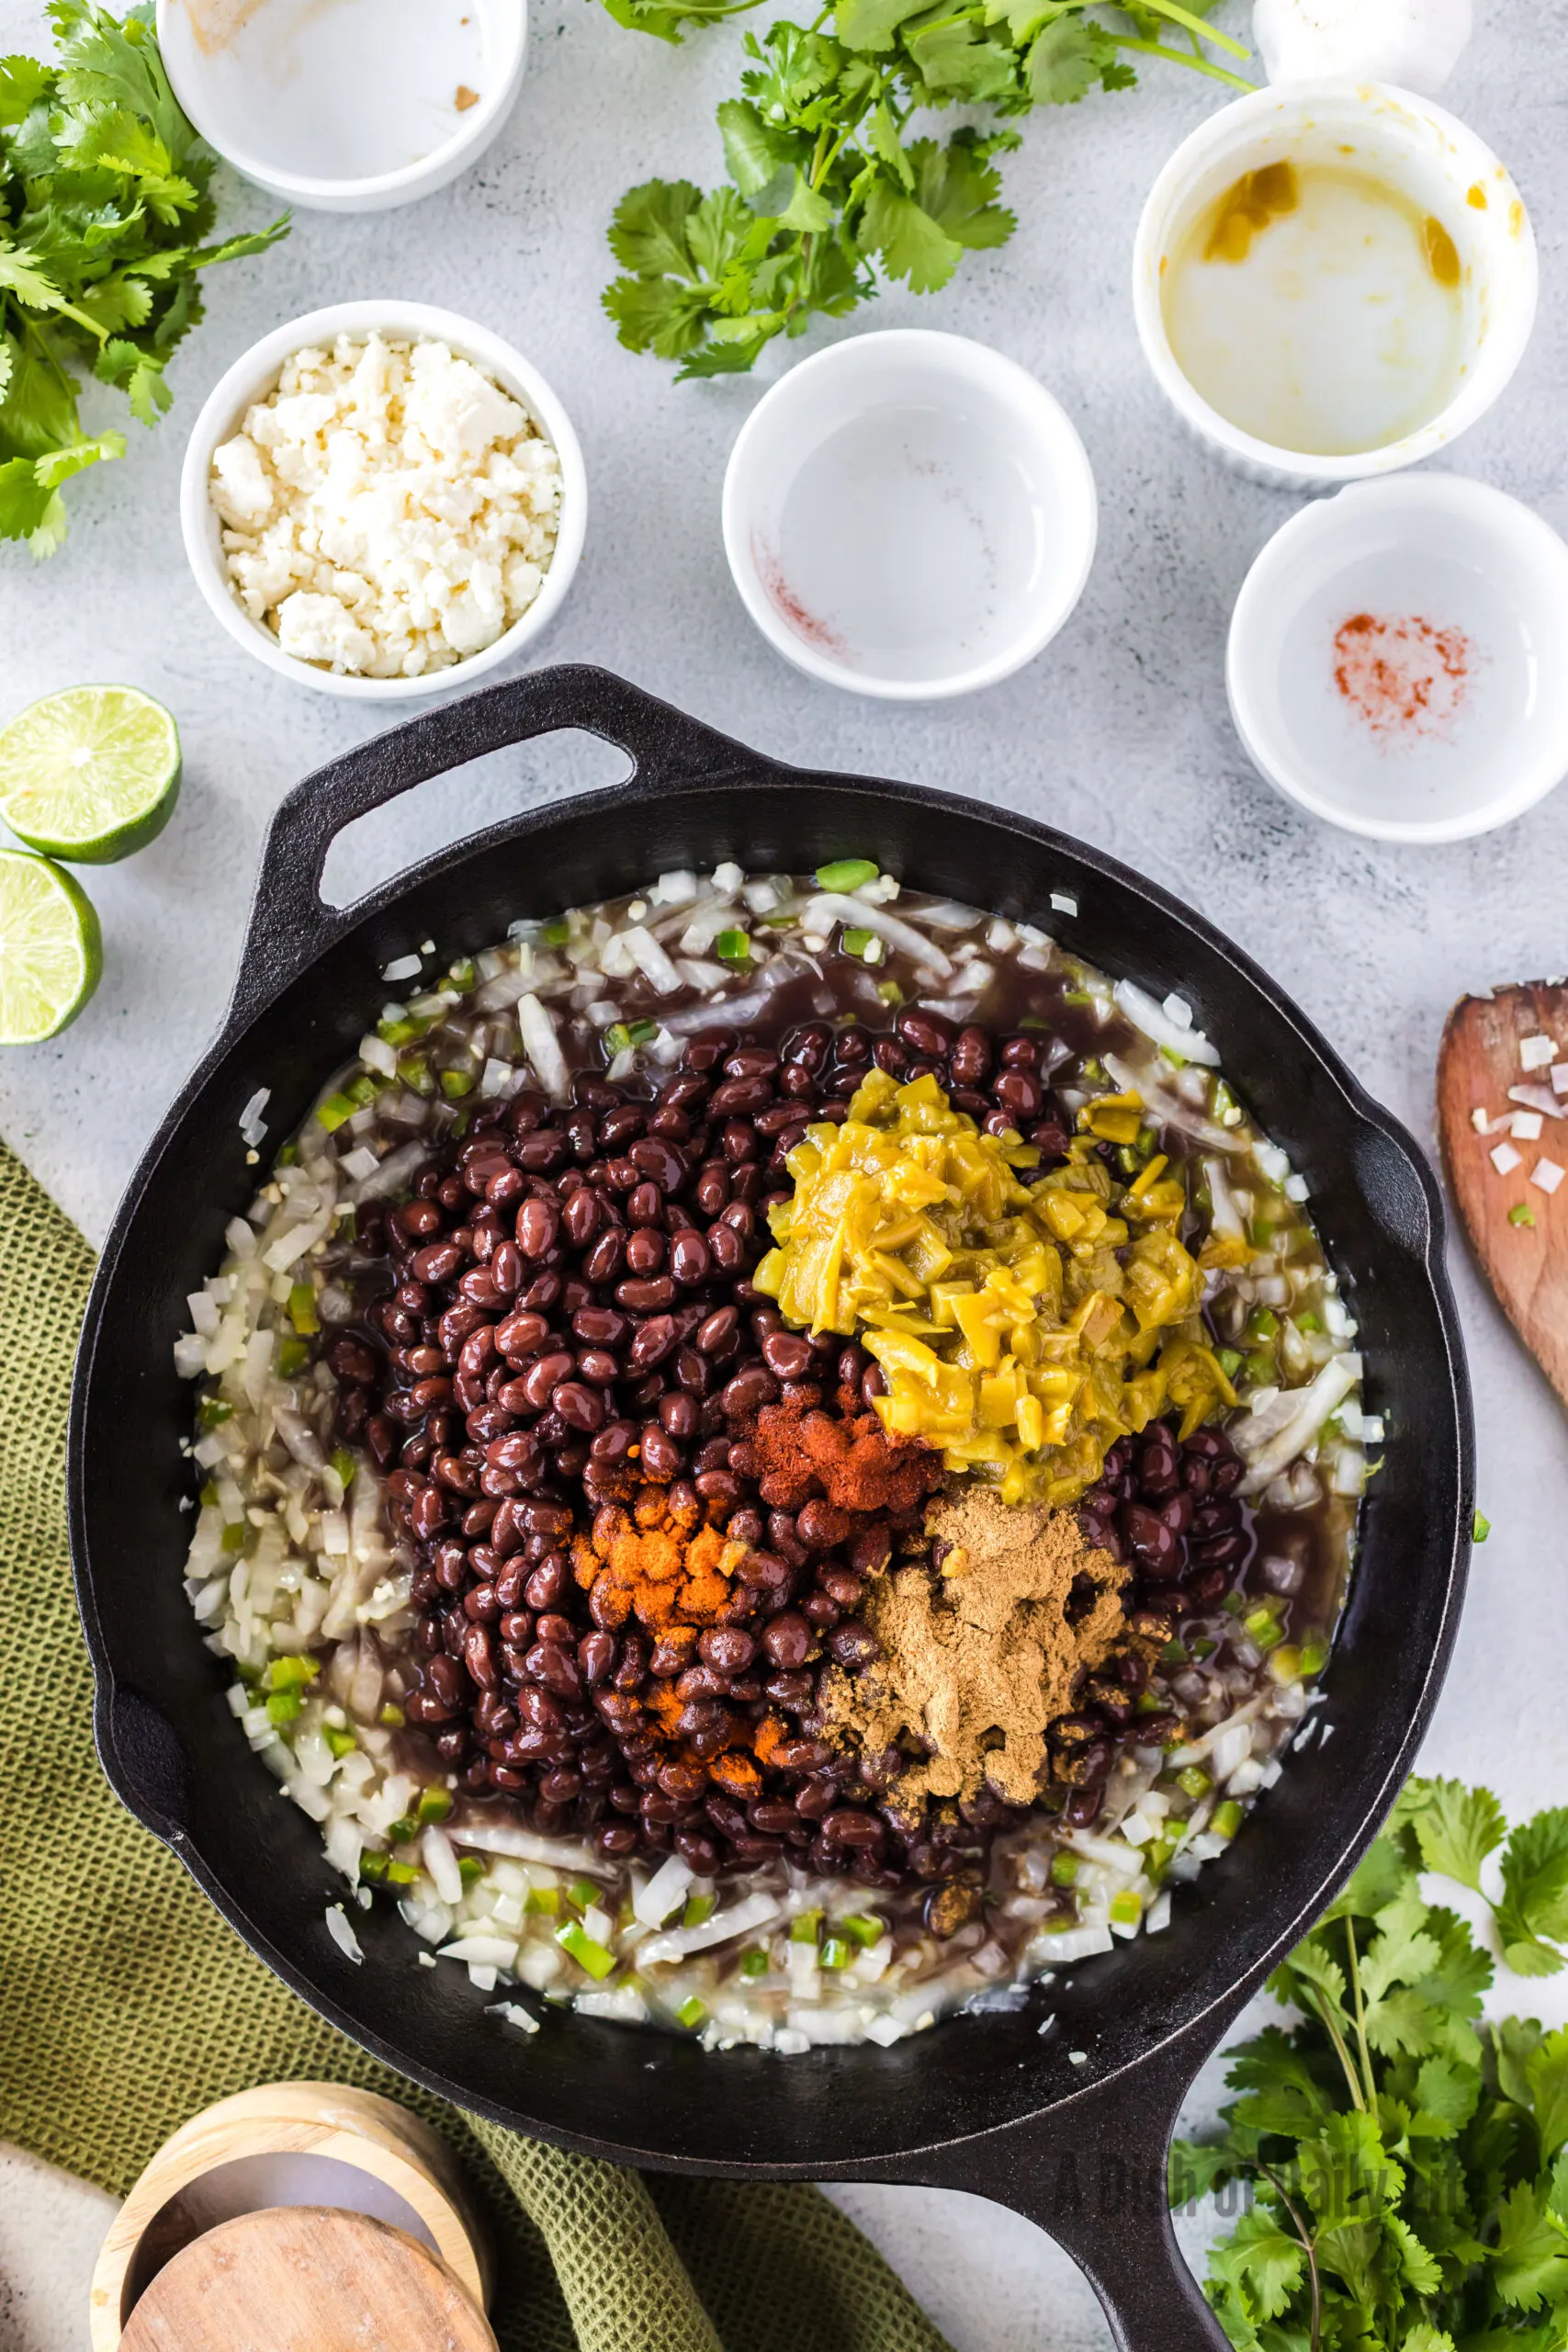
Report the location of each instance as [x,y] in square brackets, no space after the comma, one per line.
[127,2003]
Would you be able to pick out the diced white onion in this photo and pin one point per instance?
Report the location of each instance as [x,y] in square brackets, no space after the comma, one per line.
[342,1934]
[542,1047]
[654,1903]
[742,1919]
[437,1853]
[1077,1943]
[1309,1408]
[514,2014]
[556,1853]
[829,907]
[1156,1024]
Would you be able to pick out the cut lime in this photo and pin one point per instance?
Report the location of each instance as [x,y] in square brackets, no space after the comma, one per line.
[89,774]
[52,951]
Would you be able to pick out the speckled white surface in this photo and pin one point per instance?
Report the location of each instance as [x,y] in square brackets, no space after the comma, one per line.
[1119,733]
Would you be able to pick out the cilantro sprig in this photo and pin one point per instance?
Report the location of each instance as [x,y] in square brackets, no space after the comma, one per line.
[104,203]
[1406,2162]
[828,188]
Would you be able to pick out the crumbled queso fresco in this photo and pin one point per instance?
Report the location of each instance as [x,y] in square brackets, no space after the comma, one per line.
[386,509]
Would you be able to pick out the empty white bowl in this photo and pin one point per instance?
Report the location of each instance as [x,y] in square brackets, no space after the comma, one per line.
[908,515]
[253,376]
[345,105]
[1395,659]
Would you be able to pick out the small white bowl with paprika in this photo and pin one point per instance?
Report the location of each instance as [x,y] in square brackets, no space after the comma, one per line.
[1394,663]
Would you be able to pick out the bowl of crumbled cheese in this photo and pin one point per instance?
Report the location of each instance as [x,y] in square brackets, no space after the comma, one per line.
[379,495]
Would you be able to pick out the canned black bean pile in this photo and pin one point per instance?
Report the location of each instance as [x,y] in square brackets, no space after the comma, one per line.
[570,1311]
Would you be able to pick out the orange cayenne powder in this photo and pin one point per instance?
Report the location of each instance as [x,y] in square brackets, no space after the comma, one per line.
[1401,677]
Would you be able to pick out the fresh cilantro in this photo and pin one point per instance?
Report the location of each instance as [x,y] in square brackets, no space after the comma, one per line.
[104,203]
[830,192]
[1535,1895]
[1405,2163]
[1455,1828]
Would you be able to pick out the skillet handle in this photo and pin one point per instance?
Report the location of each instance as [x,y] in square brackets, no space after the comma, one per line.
[1091,2174]
[289,925]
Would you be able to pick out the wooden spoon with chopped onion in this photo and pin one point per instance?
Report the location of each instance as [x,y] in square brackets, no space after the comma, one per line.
[1502,1118]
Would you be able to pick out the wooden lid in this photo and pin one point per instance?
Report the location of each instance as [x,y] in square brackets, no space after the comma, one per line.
[305,2279]
[198,2181]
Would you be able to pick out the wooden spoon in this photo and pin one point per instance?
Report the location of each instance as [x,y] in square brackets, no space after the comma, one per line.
[1523,1255]
[306,2279]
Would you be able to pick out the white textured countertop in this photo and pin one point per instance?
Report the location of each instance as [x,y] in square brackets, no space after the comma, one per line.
[1119,733]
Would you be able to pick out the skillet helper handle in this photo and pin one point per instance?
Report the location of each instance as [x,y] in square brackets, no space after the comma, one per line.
[289,925]
[1092,2174]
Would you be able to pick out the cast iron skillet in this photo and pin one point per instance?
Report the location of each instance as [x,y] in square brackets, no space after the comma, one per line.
[991,2104]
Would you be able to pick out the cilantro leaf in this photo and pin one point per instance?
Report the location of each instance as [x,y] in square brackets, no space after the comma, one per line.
[956,59]
[1195,2167]
[1534,1909]
[24,501]
[756,152]
[1066,59]
[1530,2261]
[1262,2260]
[1446,2097]
[872,24]
[1546,2072]
[23,81]
[908,241]
[1456,1828]
[1418,2266]
[647,234]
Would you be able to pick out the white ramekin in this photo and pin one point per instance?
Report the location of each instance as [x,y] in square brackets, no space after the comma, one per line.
[1459,555]
[221,98]
[253,376]
[1008,456]
[1419,148]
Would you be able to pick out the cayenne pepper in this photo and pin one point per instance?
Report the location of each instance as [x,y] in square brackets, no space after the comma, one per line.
[1402,676]
[799,1450]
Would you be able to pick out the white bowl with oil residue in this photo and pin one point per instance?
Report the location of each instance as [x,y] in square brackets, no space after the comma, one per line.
[1384,396]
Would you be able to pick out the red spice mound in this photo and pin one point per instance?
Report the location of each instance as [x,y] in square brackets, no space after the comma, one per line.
[801,1452]
[1403,678]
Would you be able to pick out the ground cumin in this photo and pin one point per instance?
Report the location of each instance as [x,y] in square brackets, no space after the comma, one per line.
[800,1450]
[979,1655]
[657,1562]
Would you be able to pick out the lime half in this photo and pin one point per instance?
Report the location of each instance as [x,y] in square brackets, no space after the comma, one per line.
[90,774]
[52,951]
